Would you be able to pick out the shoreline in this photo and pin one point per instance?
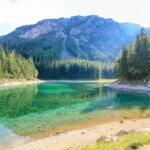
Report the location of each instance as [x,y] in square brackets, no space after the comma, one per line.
[127,87]
[38,81]
[86,136]
[19,83]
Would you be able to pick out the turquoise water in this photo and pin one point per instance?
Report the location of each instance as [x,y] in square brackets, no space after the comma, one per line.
[44,109]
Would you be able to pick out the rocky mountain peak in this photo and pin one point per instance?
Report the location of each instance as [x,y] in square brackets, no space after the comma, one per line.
[89,37]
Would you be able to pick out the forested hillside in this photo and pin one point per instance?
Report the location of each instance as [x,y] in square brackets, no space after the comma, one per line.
[91,38]
[134,62]
[51,42]
[85,37]
[77,69]
[14,66]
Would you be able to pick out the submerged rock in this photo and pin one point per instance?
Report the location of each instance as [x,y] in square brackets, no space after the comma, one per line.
[58,132]
[125,117]
[121,121]
[83,132]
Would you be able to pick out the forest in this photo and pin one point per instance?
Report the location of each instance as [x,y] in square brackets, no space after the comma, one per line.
[14,66]
[133,63]
[76,69]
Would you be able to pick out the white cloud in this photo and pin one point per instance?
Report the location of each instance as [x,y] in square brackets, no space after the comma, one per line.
[20,12]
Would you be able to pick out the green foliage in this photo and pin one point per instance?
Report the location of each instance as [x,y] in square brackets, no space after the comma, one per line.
[45,47]
[73,69]
[107,70]
[71,47]
[51,68]
[76,69]
[127,142]
[134,62]
[122,66]
[14,66]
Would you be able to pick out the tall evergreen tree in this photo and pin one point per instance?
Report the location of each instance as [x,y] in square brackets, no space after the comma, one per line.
[14,66]
[123,64]
[134,62]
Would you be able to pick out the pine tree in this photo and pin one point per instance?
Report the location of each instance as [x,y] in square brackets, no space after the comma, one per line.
[14,66]
[13,69]
[134,62]
[122,64]
[4,62]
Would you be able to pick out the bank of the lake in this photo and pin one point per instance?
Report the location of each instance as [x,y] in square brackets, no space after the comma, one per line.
[129,87]
[86,136]
[12,83]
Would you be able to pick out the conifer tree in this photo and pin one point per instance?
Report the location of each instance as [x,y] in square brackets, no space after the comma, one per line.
[134,62]
[14,66]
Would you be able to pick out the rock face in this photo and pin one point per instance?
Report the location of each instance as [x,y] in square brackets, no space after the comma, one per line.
[90,37]
[43,27]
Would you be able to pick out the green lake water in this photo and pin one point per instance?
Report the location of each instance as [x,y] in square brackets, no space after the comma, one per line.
[40,110]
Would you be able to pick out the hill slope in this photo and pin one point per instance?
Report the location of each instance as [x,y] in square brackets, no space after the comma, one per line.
[89,37]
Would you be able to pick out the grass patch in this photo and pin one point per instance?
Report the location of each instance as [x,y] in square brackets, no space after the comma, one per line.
[126,142]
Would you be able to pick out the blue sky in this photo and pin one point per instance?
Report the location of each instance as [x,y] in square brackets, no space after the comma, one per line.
[14,13]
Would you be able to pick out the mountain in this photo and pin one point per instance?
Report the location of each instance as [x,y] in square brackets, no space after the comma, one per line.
[89,37]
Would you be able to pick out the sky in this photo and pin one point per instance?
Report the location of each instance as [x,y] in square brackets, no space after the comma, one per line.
[15,13]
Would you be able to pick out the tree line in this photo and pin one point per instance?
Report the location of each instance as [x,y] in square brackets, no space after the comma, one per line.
[134,62]
[14,66]
[75,69]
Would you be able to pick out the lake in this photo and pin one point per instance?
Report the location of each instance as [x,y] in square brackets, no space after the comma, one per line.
[37,111]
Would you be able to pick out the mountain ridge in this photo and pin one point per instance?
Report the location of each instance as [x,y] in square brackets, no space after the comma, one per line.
[87,37]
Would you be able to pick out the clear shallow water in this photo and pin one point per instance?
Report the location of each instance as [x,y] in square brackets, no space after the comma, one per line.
[44,109]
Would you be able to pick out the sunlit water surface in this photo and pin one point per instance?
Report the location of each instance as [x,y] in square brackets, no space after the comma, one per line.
[41,110]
